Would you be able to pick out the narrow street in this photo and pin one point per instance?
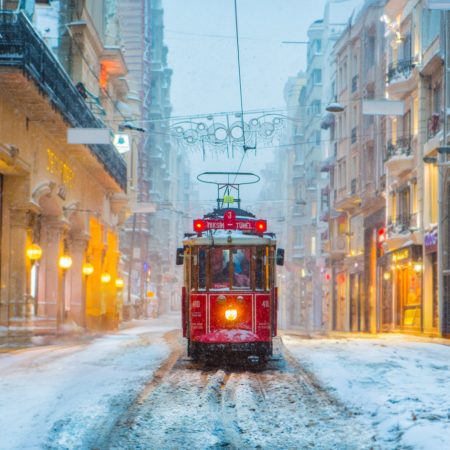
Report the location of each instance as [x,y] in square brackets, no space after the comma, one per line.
[136,389]
[196,405]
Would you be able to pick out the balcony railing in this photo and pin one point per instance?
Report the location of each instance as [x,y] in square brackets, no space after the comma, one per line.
[402,147]
[401,69]
[403,223]
[21,47]
[434,125]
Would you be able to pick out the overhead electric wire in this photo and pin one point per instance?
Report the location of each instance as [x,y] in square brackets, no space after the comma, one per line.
[240,89]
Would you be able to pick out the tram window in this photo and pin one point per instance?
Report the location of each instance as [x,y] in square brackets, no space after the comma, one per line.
[220,268]
[272,268]
[259,269]
[202,269]
[241,268]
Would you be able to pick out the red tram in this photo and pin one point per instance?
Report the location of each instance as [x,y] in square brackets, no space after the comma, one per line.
[229,297]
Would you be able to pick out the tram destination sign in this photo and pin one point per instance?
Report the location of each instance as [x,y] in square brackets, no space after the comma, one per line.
[230,222]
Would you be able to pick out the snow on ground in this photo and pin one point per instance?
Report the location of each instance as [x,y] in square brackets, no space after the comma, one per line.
[401,384]
[60,396]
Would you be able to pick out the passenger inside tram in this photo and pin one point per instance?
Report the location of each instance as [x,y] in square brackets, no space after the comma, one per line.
[220,268]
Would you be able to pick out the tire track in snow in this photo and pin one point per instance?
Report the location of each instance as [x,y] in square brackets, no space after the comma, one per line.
[198,406]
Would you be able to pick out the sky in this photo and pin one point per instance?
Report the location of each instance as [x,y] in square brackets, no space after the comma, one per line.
[200,35]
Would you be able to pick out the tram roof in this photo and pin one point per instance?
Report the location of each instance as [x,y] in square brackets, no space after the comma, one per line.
[221,237]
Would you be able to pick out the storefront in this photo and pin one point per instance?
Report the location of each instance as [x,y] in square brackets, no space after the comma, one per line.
[400,275]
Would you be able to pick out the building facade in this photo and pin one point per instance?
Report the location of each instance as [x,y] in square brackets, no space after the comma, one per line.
[61,67]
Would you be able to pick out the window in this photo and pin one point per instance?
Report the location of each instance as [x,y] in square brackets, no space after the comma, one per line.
[316,139]
[315,107]
[436,98]
[220,268]
[202,269]
[299,237]
[241,268]
[430,26]
[260,272]
[370,53]
[313,246]
[316,76]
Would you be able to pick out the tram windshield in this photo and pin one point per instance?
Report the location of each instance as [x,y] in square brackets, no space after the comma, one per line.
[236,268]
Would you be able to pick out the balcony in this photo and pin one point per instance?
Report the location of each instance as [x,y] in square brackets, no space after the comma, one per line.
[399,156]
[338,246]
[399,76]
[298,170]
[400,70]
[348,199]
[24,56]
[401,229]
[328,164]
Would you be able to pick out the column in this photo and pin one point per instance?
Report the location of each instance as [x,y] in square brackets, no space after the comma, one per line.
[76,283]
[50,276]
[20,305]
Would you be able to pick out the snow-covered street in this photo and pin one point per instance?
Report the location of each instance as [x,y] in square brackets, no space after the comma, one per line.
[136,389]
[401,384]
[66,396]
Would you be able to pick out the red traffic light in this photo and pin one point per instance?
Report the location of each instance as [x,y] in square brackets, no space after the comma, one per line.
[261,226]
[381,236]
[199,225]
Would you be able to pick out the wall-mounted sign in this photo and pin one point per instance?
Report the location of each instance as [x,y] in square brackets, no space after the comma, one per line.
[122,142]
[438,4]
[383,107]
[430,241]
[401,255]
[88,136]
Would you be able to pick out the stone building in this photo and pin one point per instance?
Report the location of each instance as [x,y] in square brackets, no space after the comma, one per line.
[61,204]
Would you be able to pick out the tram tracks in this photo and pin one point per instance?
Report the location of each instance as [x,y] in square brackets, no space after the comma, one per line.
[195,405]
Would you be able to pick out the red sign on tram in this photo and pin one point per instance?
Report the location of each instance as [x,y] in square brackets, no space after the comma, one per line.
[230,222]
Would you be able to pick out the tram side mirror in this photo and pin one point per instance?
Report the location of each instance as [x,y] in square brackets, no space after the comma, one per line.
[180,256]
[280,256]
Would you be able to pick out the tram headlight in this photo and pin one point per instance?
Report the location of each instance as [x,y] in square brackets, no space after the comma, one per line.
[231,314]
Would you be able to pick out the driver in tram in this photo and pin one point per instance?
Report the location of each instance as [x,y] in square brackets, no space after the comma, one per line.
[241,269]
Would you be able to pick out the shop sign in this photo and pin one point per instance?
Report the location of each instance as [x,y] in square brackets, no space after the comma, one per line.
[430,241]
[57,166]
[122,142]
[401,255]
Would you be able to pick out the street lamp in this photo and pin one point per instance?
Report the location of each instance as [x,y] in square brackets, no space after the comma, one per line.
[335,107]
